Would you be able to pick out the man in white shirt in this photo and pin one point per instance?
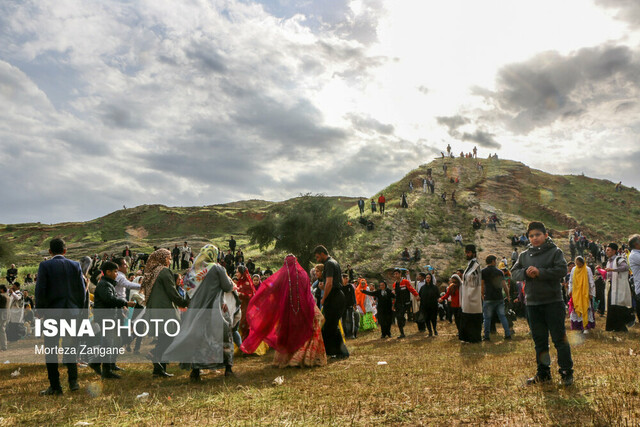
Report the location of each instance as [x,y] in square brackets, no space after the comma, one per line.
[185,256]
[122,284]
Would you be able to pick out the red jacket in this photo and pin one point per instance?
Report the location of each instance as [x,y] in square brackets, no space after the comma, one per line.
[454,294]
[381,199]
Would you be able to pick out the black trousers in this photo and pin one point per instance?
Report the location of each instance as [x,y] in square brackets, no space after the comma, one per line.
[431,318]
[52,361]
[470,327]
[184,264]
[334,307]
[385,320]
[176,263]
[548,319]
[381,205]
[401,319]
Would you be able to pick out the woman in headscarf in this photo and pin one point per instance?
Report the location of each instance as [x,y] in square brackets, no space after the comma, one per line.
[163,301]
[205,340]
[283,314]
[256,281]
[582,289]
[246,291]
[365,305]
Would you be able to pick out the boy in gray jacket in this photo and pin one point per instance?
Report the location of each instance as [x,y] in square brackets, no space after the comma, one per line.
[542,267]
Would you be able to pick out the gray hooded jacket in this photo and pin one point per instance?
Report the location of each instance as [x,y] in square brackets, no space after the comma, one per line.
[549,260]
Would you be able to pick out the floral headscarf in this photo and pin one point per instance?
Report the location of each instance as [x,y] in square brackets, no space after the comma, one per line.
[155,264]
[207,257]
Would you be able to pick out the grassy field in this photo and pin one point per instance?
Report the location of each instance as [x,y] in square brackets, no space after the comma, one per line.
[427,381]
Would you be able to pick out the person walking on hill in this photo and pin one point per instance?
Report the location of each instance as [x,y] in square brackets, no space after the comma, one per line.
[373,206]
[458,240]
[361,206]
[232,244]
[514,257]
[381,202]
[542,267]
[404,203]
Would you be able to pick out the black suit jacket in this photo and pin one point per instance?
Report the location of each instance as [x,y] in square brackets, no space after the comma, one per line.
[61,285]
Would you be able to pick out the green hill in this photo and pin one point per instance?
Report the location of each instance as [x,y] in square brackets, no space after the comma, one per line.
[515,192]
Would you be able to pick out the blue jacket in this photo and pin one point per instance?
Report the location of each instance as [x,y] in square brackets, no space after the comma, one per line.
[61,285]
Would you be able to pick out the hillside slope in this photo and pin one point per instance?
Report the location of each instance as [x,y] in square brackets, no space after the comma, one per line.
[515,192]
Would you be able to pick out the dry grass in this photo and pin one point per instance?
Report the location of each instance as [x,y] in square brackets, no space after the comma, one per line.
[427,381]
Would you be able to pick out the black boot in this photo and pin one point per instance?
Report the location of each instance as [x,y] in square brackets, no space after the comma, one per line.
[195,375]
[107,374]
[228,372]
[158,371]
[96,368]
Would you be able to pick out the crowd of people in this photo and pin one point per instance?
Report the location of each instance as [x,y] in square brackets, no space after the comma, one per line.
[308,317]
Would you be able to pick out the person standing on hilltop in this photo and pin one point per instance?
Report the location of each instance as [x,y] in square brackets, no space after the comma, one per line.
[542,267]
[232,244]
[448,148]
[381,202]
[373,206]
[361,206]
[471,299]
[475,152]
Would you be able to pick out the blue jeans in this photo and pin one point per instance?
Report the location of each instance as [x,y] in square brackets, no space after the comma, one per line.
[488,309]
[548,319]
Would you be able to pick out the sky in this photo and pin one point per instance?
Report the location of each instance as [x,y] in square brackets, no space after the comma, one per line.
[110,103]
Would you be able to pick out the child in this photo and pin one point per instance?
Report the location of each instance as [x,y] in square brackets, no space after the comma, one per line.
[384,298]
[542,267]
[453,292]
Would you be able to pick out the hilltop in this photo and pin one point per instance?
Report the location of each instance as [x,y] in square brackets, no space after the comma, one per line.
[512,190]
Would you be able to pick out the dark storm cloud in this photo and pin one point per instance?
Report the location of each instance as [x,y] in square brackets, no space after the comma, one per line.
[627,10]
[453,123]
[482,138]
[296,125]
[551,86]
[368,124]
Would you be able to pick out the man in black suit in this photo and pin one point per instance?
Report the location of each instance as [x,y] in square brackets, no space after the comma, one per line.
[61,287]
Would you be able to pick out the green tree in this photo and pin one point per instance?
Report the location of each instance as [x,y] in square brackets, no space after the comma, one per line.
[309,221]
[6,253]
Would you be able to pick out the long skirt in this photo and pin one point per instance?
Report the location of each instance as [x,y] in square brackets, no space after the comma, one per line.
[312,353]
[471,327]
[576,320]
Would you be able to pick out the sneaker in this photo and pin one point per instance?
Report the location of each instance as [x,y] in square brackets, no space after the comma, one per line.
[74,386]
[538,379]
[507,337]
[567,380]
[401,337]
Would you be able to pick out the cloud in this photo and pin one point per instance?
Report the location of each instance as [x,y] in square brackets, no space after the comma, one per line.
[453,123]
[161,102]
[627,10]
[484,139]
[368,124]
[551,87]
